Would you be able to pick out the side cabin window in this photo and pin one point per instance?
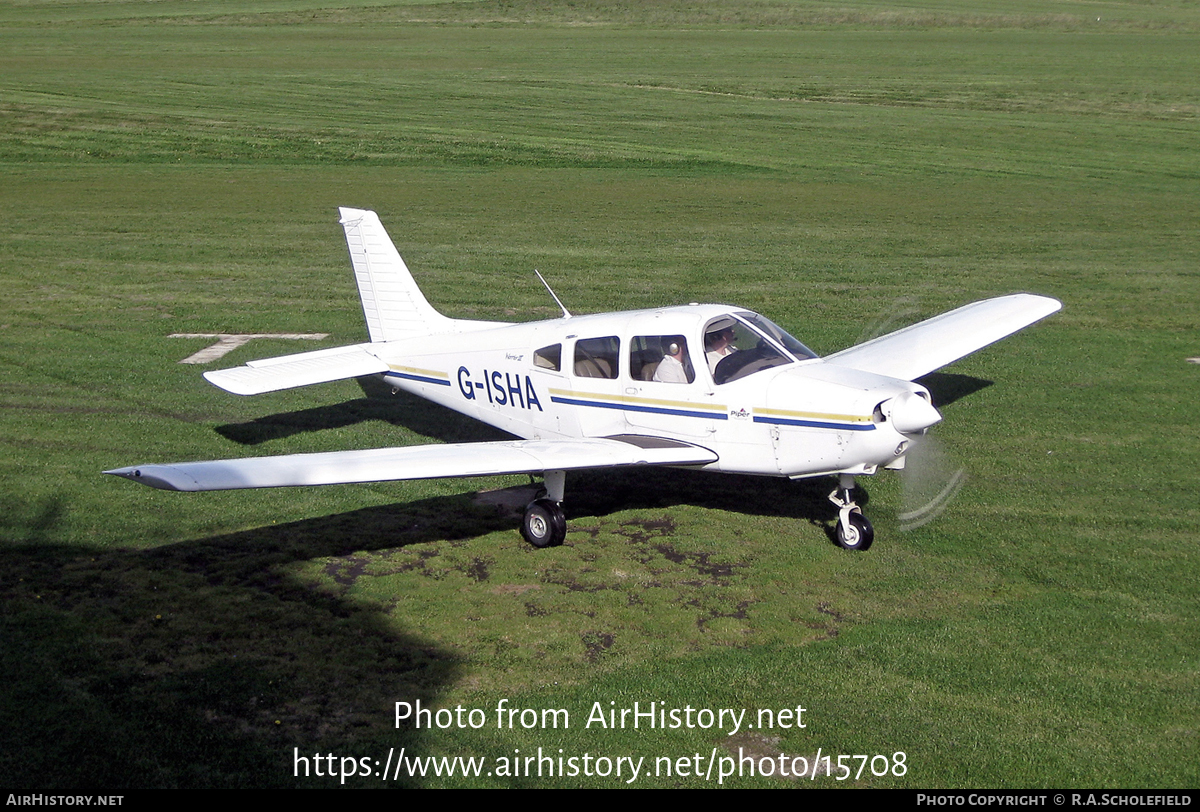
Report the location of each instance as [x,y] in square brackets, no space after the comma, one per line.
[664,359]
[597,357]
[548,358]
[734,350]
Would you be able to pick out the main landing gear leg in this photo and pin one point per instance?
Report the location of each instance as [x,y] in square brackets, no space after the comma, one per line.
[545,524]
[854,532]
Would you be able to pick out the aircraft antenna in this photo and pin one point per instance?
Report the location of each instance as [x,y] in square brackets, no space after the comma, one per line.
[558,301]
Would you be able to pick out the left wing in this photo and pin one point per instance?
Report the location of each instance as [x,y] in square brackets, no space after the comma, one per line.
[417,462]
[917,350]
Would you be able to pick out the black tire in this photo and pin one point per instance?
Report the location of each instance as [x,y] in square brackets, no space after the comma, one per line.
[544,524]
[858,536]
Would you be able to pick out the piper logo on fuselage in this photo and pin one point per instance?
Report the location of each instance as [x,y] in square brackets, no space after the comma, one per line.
[502,388]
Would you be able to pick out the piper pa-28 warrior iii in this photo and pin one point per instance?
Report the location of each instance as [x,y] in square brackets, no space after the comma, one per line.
[700,386]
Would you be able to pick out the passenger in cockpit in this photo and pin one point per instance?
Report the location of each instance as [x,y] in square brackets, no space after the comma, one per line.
[673,367]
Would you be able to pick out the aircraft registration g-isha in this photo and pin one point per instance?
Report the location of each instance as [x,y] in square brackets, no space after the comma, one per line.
[699,386]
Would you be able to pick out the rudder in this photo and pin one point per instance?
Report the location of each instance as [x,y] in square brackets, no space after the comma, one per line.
[393,304]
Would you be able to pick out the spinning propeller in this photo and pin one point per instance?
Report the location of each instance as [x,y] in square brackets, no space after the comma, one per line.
[930,479]
[929,482]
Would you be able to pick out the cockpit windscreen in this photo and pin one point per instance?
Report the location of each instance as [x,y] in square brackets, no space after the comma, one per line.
[780,335]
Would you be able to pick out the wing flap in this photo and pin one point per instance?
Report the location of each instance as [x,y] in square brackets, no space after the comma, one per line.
[412,462]
[921,348]
[302,369]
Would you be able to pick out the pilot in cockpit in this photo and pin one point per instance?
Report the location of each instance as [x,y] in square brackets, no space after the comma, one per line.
[718,341]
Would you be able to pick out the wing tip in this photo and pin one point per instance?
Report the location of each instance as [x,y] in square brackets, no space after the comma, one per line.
[144,475]
[1051,304]
[350,216]
[221,379]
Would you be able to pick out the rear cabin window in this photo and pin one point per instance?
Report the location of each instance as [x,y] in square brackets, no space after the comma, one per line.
[548,357]
[597,357]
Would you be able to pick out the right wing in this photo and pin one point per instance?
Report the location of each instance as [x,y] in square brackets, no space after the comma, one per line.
[917,350]
[301,369]
[417,462]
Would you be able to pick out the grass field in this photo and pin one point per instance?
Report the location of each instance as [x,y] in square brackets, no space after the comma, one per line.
[175,167]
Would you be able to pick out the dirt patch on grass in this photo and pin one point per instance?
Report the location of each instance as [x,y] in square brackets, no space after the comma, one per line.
[595,644]
[642,530]
[830,630]
[758,747]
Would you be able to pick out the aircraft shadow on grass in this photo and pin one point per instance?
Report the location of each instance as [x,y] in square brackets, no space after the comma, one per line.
[203,663]
[948,387]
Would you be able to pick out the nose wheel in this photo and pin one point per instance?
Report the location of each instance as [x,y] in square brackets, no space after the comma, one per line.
[854,531]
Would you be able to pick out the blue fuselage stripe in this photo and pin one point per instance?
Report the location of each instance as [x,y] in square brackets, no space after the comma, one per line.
[815,424]
[422,378]
[627,407]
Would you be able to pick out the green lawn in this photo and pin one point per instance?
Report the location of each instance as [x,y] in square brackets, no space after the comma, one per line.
[176,167]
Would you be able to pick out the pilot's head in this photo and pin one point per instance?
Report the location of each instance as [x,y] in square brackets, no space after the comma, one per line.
[720,333]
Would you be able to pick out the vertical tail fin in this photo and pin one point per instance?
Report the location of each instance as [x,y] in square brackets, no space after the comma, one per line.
[392,302]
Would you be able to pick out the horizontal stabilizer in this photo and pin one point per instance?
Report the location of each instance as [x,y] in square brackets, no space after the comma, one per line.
[302,369]
[917,350]
[416,462]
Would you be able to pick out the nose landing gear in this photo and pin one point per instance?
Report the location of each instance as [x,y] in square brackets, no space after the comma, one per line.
[854,532]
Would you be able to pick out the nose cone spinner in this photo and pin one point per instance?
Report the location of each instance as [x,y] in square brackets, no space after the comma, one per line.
[912,414]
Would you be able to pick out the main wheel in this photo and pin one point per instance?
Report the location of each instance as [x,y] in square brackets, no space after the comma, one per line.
[544,524]
[856,533]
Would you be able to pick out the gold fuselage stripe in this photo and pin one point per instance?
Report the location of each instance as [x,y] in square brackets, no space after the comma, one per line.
[845,418]
[677,404]
[433,373]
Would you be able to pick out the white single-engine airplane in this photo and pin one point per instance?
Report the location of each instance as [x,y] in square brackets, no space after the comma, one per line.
[702,386]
